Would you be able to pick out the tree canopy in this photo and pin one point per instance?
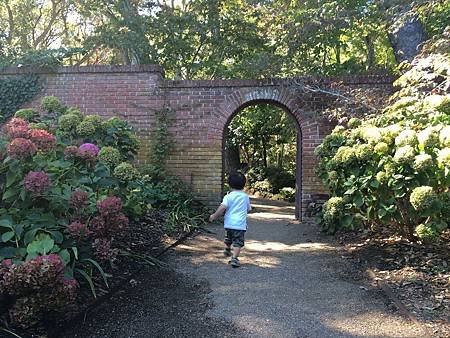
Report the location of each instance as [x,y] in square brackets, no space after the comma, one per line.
[215,38]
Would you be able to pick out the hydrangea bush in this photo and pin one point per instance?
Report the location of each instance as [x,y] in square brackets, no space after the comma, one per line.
[61,206]
[394,168]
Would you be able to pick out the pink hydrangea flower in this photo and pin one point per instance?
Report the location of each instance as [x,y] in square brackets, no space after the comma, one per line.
[7,263]
[16,122]
[120,221]
[52,259]
[78,230]
[70,288]
[102,249]
[78,200]
[18,132]
[109,206]
[89,148]
[43,139]
[37,182]
[21,148]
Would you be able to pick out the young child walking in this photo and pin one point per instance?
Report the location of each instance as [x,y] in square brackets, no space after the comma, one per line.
[236,205]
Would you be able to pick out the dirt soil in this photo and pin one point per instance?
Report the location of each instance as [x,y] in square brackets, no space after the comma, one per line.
[160,303]
[419,275]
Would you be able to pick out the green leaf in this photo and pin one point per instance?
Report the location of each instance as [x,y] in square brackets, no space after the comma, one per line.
[358,200]
[11,178]
[75,252]
[57,236]
[99,268]
[374,184]
[7,236]
[65,256]
[8,252]
[347,220]
[10,193]
[381,213]
[43,244]
[89,280]
[6,222]
[29,236]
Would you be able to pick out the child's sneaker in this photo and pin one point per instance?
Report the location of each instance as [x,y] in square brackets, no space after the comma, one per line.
[235,262]
[227,252]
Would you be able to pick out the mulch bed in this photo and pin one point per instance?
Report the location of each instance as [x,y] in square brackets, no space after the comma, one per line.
[419,275]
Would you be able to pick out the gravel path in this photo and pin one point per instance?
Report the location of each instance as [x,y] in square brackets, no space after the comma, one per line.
[290,284]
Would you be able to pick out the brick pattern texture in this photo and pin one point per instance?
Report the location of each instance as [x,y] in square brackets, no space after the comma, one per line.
[202,110]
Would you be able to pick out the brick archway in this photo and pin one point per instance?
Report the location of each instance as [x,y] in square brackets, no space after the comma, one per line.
[272,96]
[298,161]
[201,111]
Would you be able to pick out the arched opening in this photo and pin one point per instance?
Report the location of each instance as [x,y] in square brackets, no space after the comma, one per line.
[263,139]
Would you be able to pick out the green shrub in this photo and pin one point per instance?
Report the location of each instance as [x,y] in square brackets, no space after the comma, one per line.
[119,134]
[39,125]
[288,194]
[423,198]
[126,172]
[75,111]
[52,104]
[426,233]
[279,178]
[27,114]
[354,122]
[56,217]
[109,155]
[68,123]
[263,186]
[86,129]
[403,183]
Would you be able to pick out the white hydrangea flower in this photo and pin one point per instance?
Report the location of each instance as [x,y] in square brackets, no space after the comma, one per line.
[406,137]
[433,101]
[404,154]
[443,157]
[371,134]
[444,136]
[428,137]
[393,130]
[422,162]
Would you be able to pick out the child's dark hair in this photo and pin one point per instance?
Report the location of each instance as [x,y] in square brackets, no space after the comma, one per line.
[237,180]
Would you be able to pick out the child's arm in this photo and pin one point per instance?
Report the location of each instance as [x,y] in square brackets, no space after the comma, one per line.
[219,212]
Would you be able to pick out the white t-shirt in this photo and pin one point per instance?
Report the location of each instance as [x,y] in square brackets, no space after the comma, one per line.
[238,205]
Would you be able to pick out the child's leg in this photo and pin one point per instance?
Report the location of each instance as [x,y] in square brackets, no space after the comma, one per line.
[227,241]
[228,238]
[238,242]
[236,251]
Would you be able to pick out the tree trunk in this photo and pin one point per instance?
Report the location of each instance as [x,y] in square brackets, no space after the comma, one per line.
[406,34]
[232,159]
[370,51]
[338,53]
[264,149]
[281,156]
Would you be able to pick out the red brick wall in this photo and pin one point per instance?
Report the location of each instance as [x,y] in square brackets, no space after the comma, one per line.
[201,111]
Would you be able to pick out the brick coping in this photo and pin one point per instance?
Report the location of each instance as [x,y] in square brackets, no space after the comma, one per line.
[270,82]
[154,68]
[83,69]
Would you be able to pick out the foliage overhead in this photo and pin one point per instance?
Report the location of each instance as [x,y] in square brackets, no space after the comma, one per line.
[203,38]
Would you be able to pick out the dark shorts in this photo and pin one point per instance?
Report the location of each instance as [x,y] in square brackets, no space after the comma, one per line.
[234,237]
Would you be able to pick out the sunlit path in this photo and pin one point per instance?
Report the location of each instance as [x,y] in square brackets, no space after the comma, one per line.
[290,283]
